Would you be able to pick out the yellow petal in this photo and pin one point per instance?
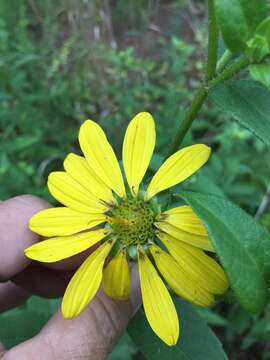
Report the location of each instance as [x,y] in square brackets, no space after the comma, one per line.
[158,305]
[77,167]
[179,280]
[184,218]
[116,279]
[85,283]
[177,168]
[60,248]
[63,221]
[73,195]
[198,241]
[138,147]
[205,270]
[101,157]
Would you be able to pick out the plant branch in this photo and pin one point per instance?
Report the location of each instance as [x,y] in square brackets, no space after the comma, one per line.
[212,41]
[230,71]
[189,117]
[200,97]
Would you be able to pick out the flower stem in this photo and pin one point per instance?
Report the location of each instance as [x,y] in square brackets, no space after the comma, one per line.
[212,41]
[200,97]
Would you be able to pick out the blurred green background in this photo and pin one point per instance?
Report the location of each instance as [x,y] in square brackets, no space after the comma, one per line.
[67,60]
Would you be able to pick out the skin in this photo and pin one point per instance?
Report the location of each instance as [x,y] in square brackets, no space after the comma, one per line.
[93,334]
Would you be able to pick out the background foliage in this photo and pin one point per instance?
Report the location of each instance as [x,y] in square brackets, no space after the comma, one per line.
[64,61]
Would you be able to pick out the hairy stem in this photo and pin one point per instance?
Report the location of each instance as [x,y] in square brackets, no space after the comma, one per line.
[212,41]
[189,117]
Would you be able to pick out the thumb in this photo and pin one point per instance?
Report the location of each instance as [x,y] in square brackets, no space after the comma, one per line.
[92,335]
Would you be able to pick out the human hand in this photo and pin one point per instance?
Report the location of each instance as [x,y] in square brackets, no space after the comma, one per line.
[93,334]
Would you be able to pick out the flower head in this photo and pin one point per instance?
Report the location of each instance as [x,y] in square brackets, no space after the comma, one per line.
[127,224]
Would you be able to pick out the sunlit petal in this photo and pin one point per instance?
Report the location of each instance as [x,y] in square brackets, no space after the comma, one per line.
[199,241]
[77,167]
[177,168]
[158,305]
[60,248]
[184,218]
[138,147]
[179,280]
[63,221]
[101,157]
[73,195]
[85,283]
[200,266]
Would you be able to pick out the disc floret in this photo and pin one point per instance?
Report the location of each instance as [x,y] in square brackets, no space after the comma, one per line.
[132,222]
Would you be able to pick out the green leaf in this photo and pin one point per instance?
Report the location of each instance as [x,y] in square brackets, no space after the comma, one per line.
[24,322]
[196,342]
[46,306]
[18,326]
[261,73]
[238,20]
[242,245]
[247,102]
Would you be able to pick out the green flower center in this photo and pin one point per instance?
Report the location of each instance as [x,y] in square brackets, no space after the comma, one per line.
[133,222]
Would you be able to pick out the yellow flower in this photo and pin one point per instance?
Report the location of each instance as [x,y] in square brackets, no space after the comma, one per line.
[127,224]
